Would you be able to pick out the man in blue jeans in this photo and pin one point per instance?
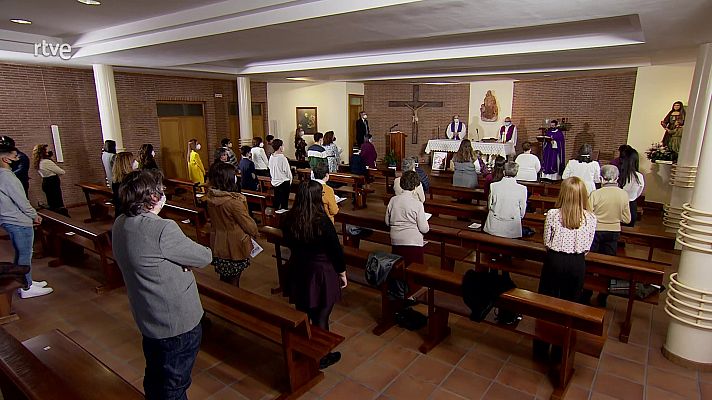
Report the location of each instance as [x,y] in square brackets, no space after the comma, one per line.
[156,258]
[17,217]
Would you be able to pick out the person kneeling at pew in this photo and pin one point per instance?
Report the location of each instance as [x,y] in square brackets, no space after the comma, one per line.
[317,267]
[155,258]
[232,227]
[568,233]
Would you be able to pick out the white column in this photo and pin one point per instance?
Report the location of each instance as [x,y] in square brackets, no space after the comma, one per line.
[244,110]
[108,106]
[689,298]
[683,174]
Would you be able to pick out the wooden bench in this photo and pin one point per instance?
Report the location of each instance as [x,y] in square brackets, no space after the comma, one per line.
[196,216]
[303,344]
[175,188]
[355,266]
[469,212]
[8,287]
[574,327]
[53,366]
[61,237]
[258,204]
[97,196]
[527,258]
[456,192]
[356,185]
[437,244]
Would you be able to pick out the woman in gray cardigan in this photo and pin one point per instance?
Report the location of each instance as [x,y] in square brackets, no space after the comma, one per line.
[507,205]
[464,162]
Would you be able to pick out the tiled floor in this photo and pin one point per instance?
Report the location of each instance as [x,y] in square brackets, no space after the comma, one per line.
[475,362]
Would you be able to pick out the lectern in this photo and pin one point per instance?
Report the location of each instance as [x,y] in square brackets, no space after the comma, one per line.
[397,145]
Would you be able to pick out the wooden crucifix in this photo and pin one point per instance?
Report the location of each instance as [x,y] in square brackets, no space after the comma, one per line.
[415,105]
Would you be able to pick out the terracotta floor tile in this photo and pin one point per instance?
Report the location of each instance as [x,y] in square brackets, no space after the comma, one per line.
[501,392]
[396,356]
[442,394]
[374,375]
[583,376]
[428,369]
[204,385]
[519,378]
[226,373]
[654,393]
[623,368]
[617,387]
[601,396]
[347,390]
[673,383]
[629,351]
[465,384]
[409,388]
[227,393]
[252,389]
[448,353]
[481,364]
[657,360]
[576,393]
[331,379]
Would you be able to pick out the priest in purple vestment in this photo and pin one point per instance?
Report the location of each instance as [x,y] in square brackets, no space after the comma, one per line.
[553,162]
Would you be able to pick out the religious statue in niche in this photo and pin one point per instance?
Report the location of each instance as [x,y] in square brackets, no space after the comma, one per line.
[488,109]
[673,124]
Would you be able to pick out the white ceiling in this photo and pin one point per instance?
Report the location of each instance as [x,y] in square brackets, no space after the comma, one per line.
[364,40]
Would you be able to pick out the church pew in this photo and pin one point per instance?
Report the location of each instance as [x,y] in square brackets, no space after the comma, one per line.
[382,171]
[527,258]
[456,192]
[574,327]
[196,216]
[355,265]
[97,196]
[258,204]
[438,236]
[176,187]
[356,188]
[8,286]
[303,344]
[437,207]
[64,238]
[53,366]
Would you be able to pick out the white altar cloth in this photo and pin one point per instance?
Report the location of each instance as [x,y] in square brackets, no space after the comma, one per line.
[451,146]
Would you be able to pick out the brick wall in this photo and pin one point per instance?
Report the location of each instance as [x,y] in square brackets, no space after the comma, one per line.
[598,108]
[455,100]
[34,97]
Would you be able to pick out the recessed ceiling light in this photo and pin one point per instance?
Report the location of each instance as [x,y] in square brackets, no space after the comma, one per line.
[90,2]
[298,78]
[21,21]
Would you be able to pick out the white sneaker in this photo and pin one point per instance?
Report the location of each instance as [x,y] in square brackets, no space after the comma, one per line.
[39,284]
[34,291]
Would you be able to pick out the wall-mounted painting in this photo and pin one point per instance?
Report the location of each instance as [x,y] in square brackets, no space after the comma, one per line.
[306,119]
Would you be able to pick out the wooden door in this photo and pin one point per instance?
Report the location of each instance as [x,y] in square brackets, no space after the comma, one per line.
[178,123]
[258,120]
[355,107]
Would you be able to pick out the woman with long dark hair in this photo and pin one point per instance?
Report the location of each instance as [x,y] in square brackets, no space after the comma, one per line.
[631,180]
[146,157]
[317,267]
[232,227]
[464,165]
[300,145]
[585,168]
[123,165]
[50,172]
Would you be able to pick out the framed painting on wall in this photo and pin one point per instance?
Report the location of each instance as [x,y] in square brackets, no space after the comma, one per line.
[306,119]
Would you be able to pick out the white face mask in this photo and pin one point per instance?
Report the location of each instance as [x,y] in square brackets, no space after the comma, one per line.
[456,120]
[235,179]
[365,116]
[153,153]
[198,146]
[262,144]
[507,123]
[229,145]
[161,203]
[134,165]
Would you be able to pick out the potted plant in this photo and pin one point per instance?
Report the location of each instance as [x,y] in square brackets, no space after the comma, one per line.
[390,159]
[660,154]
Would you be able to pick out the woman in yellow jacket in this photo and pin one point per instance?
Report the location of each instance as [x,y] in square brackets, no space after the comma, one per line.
[196,170]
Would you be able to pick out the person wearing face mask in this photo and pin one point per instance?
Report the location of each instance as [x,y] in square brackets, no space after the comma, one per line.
[17,218]
[108,155]
[50,172]
[362,128]
[196,170]
[456,129]
[156,260]
[146,157]
[259,157]
[121,168]
[508,132]
[21,167]
[226,147]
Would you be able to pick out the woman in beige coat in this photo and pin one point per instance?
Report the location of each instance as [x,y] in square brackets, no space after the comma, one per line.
[232,226]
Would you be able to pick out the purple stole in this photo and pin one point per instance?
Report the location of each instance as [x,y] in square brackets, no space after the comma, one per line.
[456,133]
[510,132]
[483,168]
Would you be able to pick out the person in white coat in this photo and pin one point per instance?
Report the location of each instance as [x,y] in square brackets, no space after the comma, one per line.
[529,164]
[507,205]
[585,168]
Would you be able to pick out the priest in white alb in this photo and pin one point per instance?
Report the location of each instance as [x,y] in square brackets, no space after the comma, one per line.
[508,132]
[456,129]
